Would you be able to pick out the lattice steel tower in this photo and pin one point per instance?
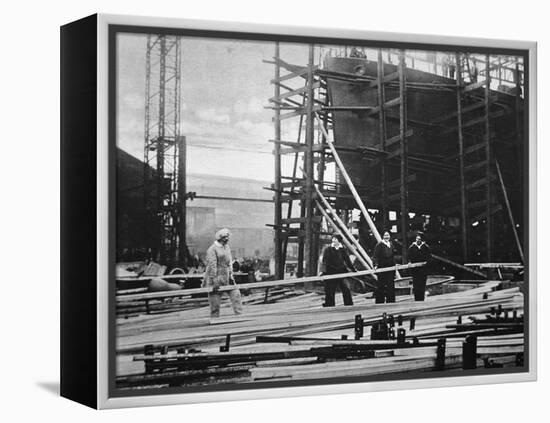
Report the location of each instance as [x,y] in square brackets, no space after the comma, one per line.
[164,169]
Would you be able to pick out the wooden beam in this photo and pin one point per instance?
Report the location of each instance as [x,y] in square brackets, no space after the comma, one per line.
[404,168]
[299,91]
[388,78]
[299,112]
[476,121]
[478,183]
[348,108]
[382,130]
[490,212]
[309,253]
[509,210]
[475,166]
[474,86]
[458,266]
[461,153]
[292,220]
[388,104]
[260,285]
[467,109]
[352,187]
[344,236]
[395,139]
[300,73]
[495,265]
[396,183]
[333,215]
[474,148]
[489,159]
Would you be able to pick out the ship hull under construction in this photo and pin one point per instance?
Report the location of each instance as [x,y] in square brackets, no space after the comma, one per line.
[433,184]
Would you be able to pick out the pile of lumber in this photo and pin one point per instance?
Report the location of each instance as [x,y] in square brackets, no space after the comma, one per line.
[293,337]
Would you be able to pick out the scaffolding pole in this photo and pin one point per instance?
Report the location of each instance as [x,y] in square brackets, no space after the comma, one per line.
[488,153]
[279,259]
[463,210]
[383,136]
[404,155]
[310,253]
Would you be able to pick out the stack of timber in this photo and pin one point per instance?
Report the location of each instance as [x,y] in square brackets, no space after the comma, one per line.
[294,337]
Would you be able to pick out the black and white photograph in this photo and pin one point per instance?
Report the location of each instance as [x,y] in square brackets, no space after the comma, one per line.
[320,211]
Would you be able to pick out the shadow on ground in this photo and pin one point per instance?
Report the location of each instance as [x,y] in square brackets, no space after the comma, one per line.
[51,387]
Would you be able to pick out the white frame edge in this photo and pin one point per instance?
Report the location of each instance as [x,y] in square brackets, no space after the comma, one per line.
[104,401]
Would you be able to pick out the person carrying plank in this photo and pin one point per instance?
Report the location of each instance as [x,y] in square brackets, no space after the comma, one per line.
[336,260]
[219,272]
[384,257]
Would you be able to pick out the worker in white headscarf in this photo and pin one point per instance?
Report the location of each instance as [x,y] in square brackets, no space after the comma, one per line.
[219,272]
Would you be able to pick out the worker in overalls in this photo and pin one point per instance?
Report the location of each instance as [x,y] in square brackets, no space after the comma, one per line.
[418,252]
[336,260]
[219,272]
[383,258]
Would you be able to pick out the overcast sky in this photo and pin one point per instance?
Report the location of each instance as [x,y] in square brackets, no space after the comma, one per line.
[224,88]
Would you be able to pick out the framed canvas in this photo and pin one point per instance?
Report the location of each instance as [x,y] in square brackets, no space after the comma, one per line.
[255,211]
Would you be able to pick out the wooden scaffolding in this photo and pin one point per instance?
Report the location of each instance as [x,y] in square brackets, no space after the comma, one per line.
[482,189]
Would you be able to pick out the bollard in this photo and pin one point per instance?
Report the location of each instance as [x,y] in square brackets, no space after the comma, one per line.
[225,348]
[440,354]
[519,360]
[400,320]
[401,333]
[412,323]
[469,353]
[374,330]
[344,337]
[358,327]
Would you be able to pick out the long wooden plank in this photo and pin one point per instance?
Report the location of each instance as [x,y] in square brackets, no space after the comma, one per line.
[459,266]
[298,91]
[347,243]
[388,104]
[296,281]
[342,228]
[387,78]
[473,86]
[291,75]
[354,192]
[395,139]
[509,210]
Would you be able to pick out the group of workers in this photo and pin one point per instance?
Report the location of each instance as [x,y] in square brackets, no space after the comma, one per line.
[335,260]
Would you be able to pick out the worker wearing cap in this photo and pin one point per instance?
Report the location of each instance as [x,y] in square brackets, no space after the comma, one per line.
[419,251]
[336,260]
[219,272]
